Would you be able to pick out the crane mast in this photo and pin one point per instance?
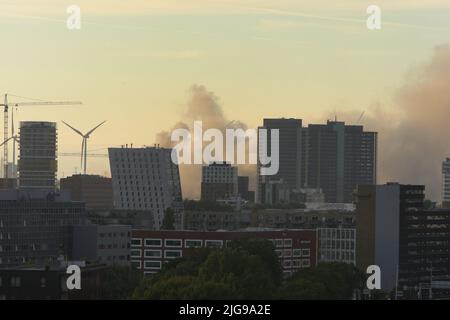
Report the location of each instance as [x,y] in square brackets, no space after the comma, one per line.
[5,137]
[6,105]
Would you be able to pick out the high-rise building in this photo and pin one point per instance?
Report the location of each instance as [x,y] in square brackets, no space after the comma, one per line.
[35,229]
[219,181]
[37,163]
[332,157]
[146,179]
[95,191]
[290,159]
[446,183]
[339,157]
[410,244]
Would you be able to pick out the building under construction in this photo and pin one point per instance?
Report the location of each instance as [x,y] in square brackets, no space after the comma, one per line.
[37,163]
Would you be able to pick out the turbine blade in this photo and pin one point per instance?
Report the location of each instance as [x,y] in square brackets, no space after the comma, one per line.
[92,130]
[77,131]
[6,141]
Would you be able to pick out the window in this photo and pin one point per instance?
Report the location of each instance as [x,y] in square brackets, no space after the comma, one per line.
[174,243]
[136,264]
[288,242]
[136,253]
[153,242]
[152,264]
[193,243]
[15,282]
[136,242]
[305,263]
[279,243]
[297,252]
[296,263]
[153,253]
[43,282]
[287,253]
[213,243]
[172,254]
[305,252]
[287,263]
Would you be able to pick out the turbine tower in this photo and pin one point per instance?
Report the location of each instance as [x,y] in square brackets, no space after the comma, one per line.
[84,143]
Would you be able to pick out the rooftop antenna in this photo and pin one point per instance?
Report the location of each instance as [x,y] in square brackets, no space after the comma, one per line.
[85,137]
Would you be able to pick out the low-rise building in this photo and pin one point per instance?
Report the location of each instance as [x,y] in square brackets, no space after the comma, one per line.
[107,244]
[35,226]
[95,191]
[150,249]
[337,245]
[48,283]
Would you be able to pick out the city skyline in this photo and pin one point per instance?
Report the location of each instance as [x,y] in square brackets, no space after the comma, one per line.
[296,59]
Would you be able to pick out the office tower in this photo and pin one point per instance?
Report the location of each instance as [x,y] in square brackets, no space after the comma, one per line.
[37,163]
[339,157]
[446,183]
[146,179]
[290,160]
[409,243]
[331,158]
[95,191]
[35,229]
[219,181]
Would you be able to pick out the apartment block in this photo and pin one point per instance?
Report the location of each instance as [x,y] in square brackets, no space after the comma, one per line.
[150,249]
[146,179]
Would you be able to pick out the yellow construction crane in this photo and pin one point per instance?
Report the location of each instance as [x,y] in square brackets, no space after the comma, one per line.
[6,106]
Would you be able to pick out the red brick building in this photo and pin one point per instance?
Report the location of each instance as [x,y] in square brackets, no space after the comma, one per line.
[150,249]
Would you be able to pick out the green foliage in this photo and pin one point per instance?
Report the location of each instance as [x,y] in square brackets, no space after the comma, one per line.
[192,205]
[119,282]
[243,271]
[168,222]
[326,281]
[246,270]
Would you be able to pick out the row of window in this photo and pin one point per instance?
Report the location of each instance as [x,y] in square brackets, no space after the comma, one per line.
[168,254]
[293,253]
[297,263]
[176,243]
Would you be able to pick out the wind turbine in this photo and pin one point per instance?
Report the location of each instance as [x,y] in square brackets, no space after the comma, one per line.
[84,142]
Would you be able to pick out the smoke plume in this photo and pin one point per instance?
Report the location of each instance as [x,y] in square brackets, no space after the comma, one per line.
[203,105]
[412,134]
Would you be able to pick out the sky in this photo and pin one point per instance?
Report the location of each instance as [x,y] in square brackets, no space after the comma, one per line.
[134,62]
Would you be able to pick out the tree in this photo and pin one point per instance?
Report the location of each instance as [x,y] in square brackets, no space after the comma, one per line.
[243,271]
[168,222]
[119,282]
[327,281]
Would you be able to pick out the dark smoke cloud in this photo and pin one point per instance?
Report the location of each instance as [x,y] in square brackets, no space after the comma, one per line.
[203,105]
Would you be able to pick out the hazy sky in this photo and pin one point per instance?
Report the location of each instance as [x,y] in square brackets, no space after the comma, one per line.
[133,62]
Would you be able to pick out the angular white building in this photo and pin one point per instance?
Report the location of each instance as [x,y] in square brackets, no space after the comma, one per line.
[145,179]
